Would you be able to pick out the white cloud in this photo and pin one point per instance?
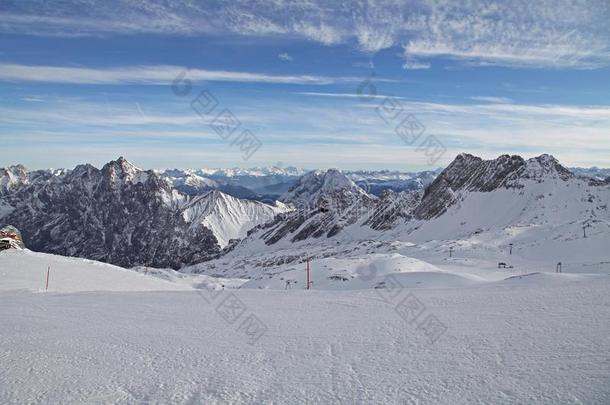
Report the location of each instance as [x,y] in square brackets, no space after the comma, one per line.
[492,99]
[373,40]
[285,57]
[32,99]
[520,33]
[157,74]
[412,64]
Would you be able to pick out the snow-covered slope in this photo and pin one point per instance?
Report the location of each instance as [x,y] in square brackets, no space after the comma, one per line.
[27,270]
[535,339]
[228,217]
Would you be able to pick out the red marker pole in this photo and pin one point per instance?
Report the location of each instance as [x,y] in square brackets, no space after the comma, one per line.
[48,271]
[308,283]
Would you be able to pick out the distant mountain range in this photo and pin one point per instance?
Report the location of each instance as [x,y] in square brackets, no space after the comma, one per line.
[593,172]
[268,184]
[128,216]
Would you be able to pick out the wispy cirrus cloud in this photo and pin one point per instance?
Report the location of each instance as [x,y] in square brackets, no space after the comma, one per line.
[285,57]
[520,33]
[508,126]
[412,64]
[492,99]
[346,95]
[156,74]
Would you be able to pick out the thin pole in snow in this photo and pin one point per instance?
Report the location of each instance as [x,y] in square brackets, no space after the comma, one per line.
[308,282]
[511,248]
[451,251]
[48,271]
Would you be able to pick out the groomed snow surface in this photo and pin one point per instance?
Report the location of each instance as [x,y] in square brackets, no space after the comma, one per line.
[102,334]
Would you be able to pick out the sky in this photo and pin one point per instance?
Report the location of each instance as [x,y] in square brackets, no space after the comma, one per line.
[403,85]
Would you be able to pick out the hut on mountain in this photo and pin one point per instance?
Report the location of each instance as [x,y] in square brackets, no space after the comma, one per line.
[10,238]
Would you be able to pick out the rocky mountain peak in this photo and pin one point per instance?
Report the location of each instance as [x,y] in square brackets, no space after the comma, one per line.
[83,171]
[313,186]
[471,173]
[543,166]
[121,171]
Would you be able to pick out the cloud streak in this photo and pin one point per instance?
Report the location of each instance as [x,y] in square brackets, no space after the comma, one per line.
[151,75]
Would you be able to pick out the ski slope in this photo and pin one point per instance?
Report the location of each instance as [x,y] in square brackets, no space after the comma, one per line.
[541,338]
[27,270]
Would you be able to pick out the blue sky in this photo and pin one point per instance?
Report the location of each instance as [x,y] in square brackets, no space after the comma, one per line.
[92,80]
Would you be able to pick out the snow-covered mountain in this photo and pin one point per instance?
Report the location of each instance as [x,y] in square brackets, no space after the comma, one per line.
[12,177]
[254,183]
[119,214]
[393,208]
[468,173]
[228,217]
[189,182]
[253,172]
[269,182]
[123,215]
[376,182]
[510,194]
[313,186]
[536,204]
[324,203]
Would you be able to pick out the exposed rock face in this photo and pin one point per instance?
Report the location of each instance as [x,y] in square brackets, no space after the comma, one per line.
[316,185]
[329,201]
[393,208]
[119,214]
[470,173]
[325,203]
